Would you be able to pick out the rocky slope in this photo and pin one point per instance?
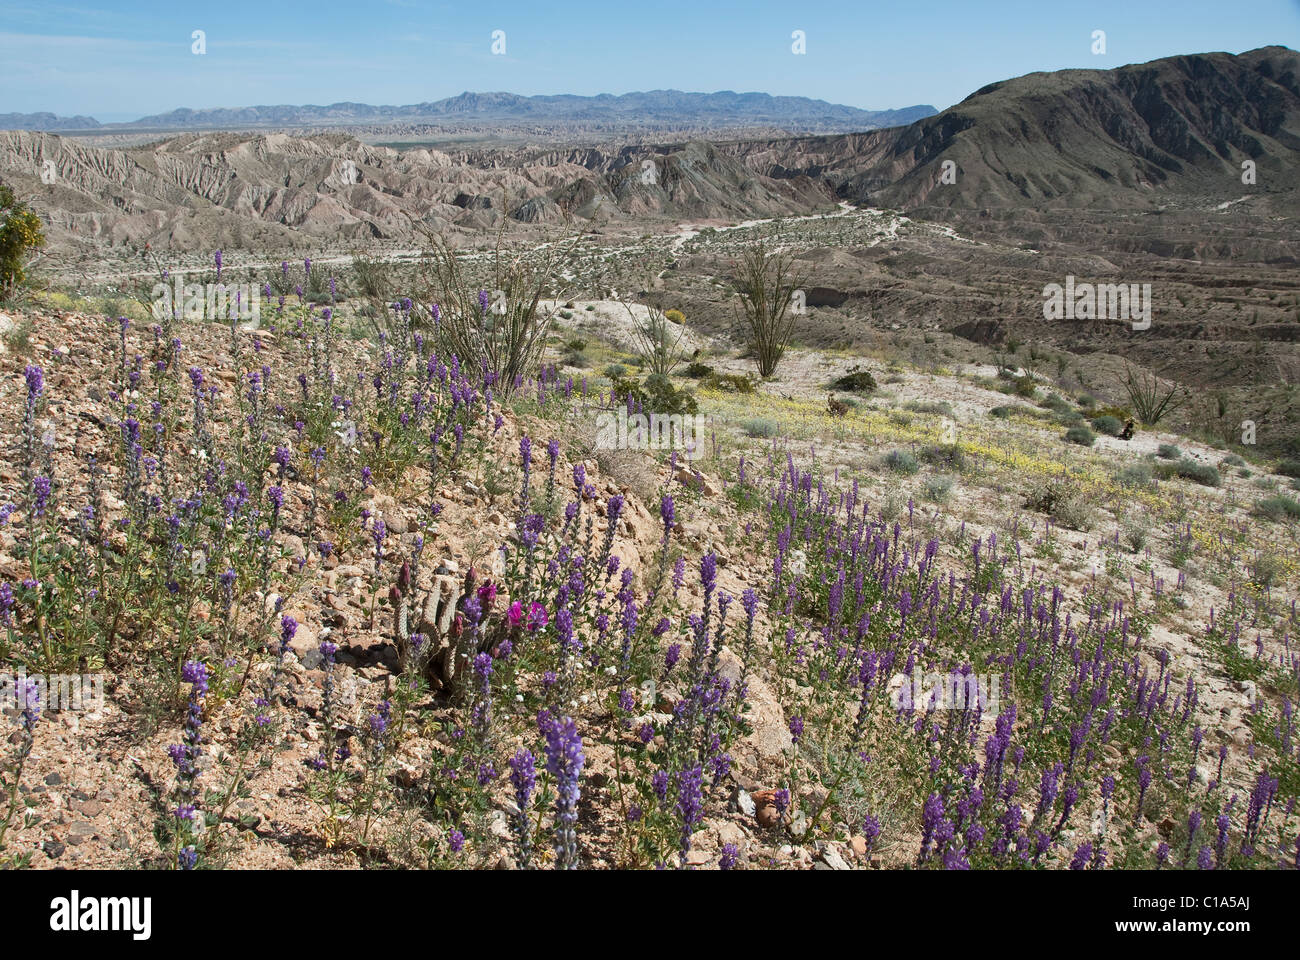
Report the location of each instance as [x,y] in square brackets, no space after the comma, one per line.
[1139,135]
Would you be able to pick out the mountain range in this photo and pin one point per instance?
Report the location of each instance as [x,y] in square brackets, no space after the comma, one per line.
[654,109]
[1175,131]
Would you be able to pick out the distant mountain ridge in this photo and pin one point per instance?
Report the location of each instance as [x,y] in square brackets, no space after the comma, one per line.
[647,108]
[46,121]
[1117,138]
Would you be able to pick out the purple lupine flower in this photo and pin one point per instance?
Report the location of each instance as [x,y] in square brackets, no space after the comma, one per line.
[870,831]
[35,378]
[730,852]
[690,804]
[796,729]
[41,487]
[523,778]
[564,760]
[667,513]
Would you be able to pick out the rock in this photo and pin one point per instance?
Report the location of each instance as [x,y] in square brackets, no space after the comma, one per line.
[745,803]
[765,813]
[91,808]
[859,847]
[53,780]
[798,824]
[53,849]
[833,858]
[80,832]
[500,825]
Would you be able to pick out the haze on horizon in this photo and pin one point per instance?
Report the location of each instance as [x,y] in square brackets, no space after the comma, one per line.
[121,61]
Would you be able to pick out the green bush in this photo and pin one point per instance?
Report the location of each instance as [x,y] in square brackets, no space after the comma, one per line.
[859,382]
[1061,500]
[1135,475]
[1289,468]
[697,371]
[728,382]
[1111,426]
[1201,473]
[939,407]
[656,395]
[1167,451]
[616,371]
[937,489]
[1080,435]
[948,456]
[759,427]
[1002,413]
[20,237]
[1277,508]
[900,461]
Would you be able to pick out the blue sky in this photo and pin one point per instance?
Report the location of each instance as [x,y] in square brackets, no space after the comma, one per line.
[121,60]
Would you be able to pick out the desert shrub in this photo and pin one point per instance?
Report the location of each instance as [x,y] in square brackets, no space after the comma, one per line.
[675,316]
[1056,403]
[1110,426]
[1087,401]
[937,489]
[656,395]
[1201,473]
[1135,475]
[1277,508]
[577,344]
[698,371]
[948,456]
[859,381]
[1266,570]
[892,506]
[728,382]
[759,427]
[1024,386]
[1080,435]
[1167,451]
[766,282]
[1151,402]
[1062,500]
[1136,528]
[504,338]
[937,407]
[20,237]
[1002,413]
[1289,468]
[616,371]
[900,461]
[1232,460]
[575,358]
[658,340]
